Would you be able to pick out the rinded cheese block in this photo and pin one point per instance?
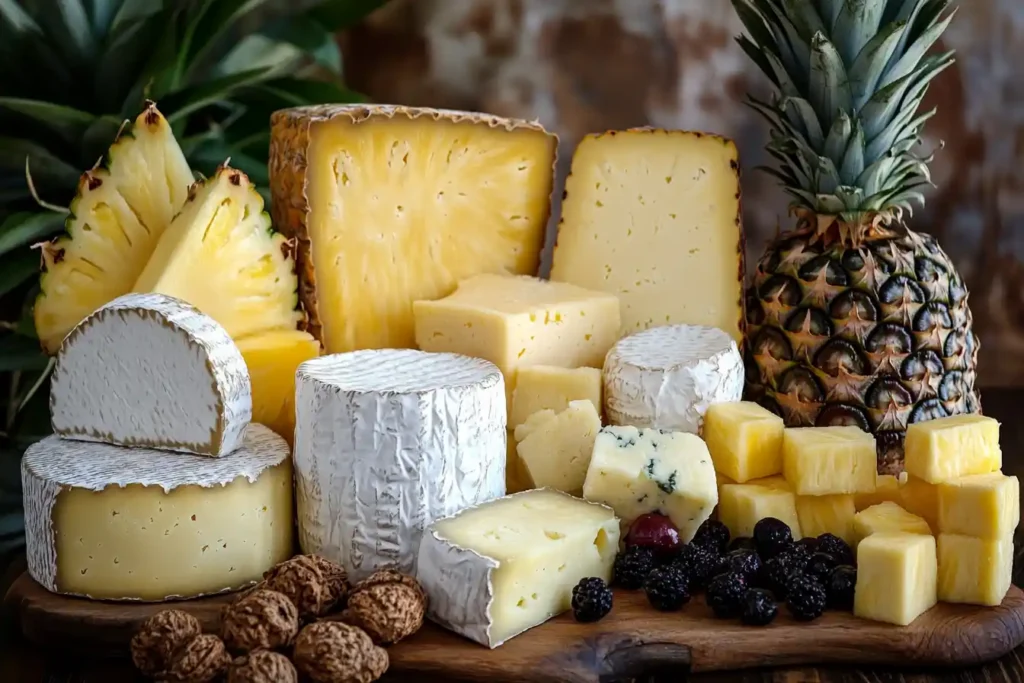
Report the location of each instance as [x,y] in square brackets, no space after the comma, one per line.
[637,471]
[745,440]
[653,217]
[114,523]
[391,204]
[388,441]
[819,461]
[974,571]
[549,387]
[150,370]
[950,447]
[498,569]
[668,376]
[741,506]
[555,448]
[897,576]
[980,505]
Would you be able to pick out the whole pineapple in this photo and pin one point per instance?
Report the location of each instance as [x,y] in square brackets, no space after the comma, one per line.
[853,319]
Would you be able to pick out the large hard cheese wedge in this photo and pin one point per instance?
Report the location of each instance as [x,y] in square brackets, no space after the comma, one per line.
[388,441]
[667,377]
[394,204]
[150,370]
[496,570]
[654,217]
[114,523]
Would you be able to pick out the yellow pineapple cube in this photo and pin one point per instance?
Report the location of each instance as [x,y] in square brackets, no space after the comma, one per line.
[887,489]
[921,498]
[745,440]
[981,505]
[741,506]
[897,577]
[826,515]
[777,483]
[974,571]
[950,447]
[820,461]
[887,518]
[548,387]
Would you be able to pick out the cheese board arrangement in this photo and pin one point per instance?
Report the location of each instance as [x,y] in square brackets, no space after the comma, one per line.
[364,436]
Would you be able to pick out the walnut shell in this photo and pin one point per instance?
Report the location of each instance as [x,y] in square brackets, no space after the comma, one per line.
[387,612]
[160,638]
[333,652]
[388,575]
[203,660]
[335,581]
[300,579]
[263,666]
[261,620]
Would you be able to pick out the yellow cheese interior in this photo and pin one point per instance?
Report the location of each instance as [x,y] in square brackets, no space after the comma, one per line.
[974,571]
[555,448]
[820,461]
[896,577]
[544,387]
[741,506]
[887,517]
[745,440]
[826,515]
[950,447]
[981,505]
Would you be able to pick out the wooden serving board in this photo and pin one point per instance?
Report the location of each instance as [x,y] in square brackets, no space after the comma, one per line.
[633,641]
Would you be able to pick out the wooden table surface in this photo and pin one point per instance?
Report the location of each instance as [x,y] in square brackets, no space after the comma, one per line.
[22,662]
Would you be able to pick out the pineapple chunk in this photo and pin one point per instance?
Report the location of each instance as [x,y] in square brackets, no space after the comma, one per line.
[819,461]
[741,506]
[897,576]
[887,489]
[827,515]
[921,498]
[543,387]
[949,447]
[555,447]
[745,440]
[981,505]
[887,518]
[776,483]
[272,358]
[116,218]
[392,205]
[221,255]
[974,571]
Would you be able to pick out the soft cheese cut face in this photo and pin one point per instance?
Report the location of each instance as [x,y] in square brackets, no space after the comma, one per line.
[653,217]
[402,209]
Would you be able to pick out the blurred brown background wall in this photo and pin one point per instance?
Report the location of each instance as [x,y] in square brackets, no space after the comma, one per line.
[589,65]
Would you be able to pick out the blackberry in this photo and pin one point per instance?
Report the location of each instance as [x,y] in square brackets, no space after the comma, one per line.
[667,588]
[745,562]
[808,544]
[698,563]
[840,587]
[806,599]
[725,595]
[712,535]
[741,543]
[759,607]
[591,600]
[799,554]
[837,548]
[772,537]
[777,573]
[819,567]
[632,567]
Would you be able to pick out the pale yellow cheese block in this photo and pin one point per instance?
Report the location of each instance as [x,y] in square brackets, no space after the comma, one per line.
[555,448]
[543,387]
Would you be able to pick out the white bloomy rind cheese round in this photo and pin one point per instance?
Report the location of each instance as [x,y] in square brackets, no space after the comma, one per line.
[114,523]
[150,370]
[387,441]
[666,377]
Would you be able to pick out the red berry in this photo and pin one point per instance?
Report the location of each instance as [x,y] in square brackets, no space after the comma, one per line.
[655,531]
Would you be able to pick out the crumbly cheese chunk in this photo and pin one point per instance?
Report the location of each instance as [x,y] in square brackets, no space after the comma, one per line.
[549,387]
[819,461]
[949,447]
[980,505]
[741,506]
[745,440]
[974,571]
[555,448]
[897,576]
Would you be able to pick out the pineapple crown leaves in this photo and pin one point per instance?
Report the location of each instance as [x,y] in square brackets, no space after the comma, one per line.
[849,77]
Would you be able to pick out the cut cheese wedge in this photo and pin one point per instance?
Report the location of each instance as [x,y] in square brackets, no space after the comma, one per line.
[555,448]
[150,370]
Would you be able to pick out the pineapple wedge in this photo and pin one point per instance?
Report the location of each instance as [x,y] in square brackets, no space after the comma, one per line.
[120,211]
[949,447]
[221,255]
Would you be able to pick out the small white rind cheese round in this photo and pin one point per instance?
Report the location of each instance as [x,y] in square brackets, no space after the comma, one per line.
[114,523]
[666,377]
[152,371]
[387,441]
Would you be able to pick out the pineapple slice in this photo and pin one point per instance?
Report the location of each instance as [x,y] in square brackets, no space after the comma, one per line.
[981,505]
[885,518]
[272,358]
[120,211]
[745,440]
[221,255]
[819,461]
[897,577]
[949,447]
[974,571]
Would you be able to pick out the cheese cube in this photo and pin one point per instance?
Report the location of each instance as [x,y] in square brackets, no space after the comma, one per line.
[885,518]
[555,447]
[637,471]
[897,577]
[980,505]
[543,387]
[974,571]
[745,440]
[887,488]
[500,568]
[826,515]
[519,321]
[741,506]
[921,498]
[818,461]
[950,447]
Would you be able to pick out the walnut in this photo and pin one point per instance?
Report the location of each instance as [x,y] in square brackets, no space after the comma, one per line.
[301,580]
[203,660]
[335,580]
[333,652]
[263,666]
[388,605]
[160,637]
[391,576]
[261,620]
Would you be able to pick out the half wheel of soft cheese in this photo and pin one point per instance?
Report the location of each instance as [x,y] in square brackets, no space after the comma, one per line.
[387,441]
[666,377]
[152,371]
[114,523]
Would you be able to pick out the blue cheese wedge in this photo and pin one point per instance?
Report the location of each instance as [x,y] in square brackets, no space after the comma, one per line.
[498,569]
[149,370]
[636,471]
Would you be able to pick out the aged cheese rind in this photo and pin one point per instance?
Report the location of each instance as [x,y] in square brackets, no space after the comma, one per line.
[114,523]
[387,441]
[666,377]
[152,371]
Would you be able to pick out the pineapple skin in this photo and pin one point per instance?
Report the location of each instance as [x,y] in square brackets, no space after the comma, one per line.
[877,335]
